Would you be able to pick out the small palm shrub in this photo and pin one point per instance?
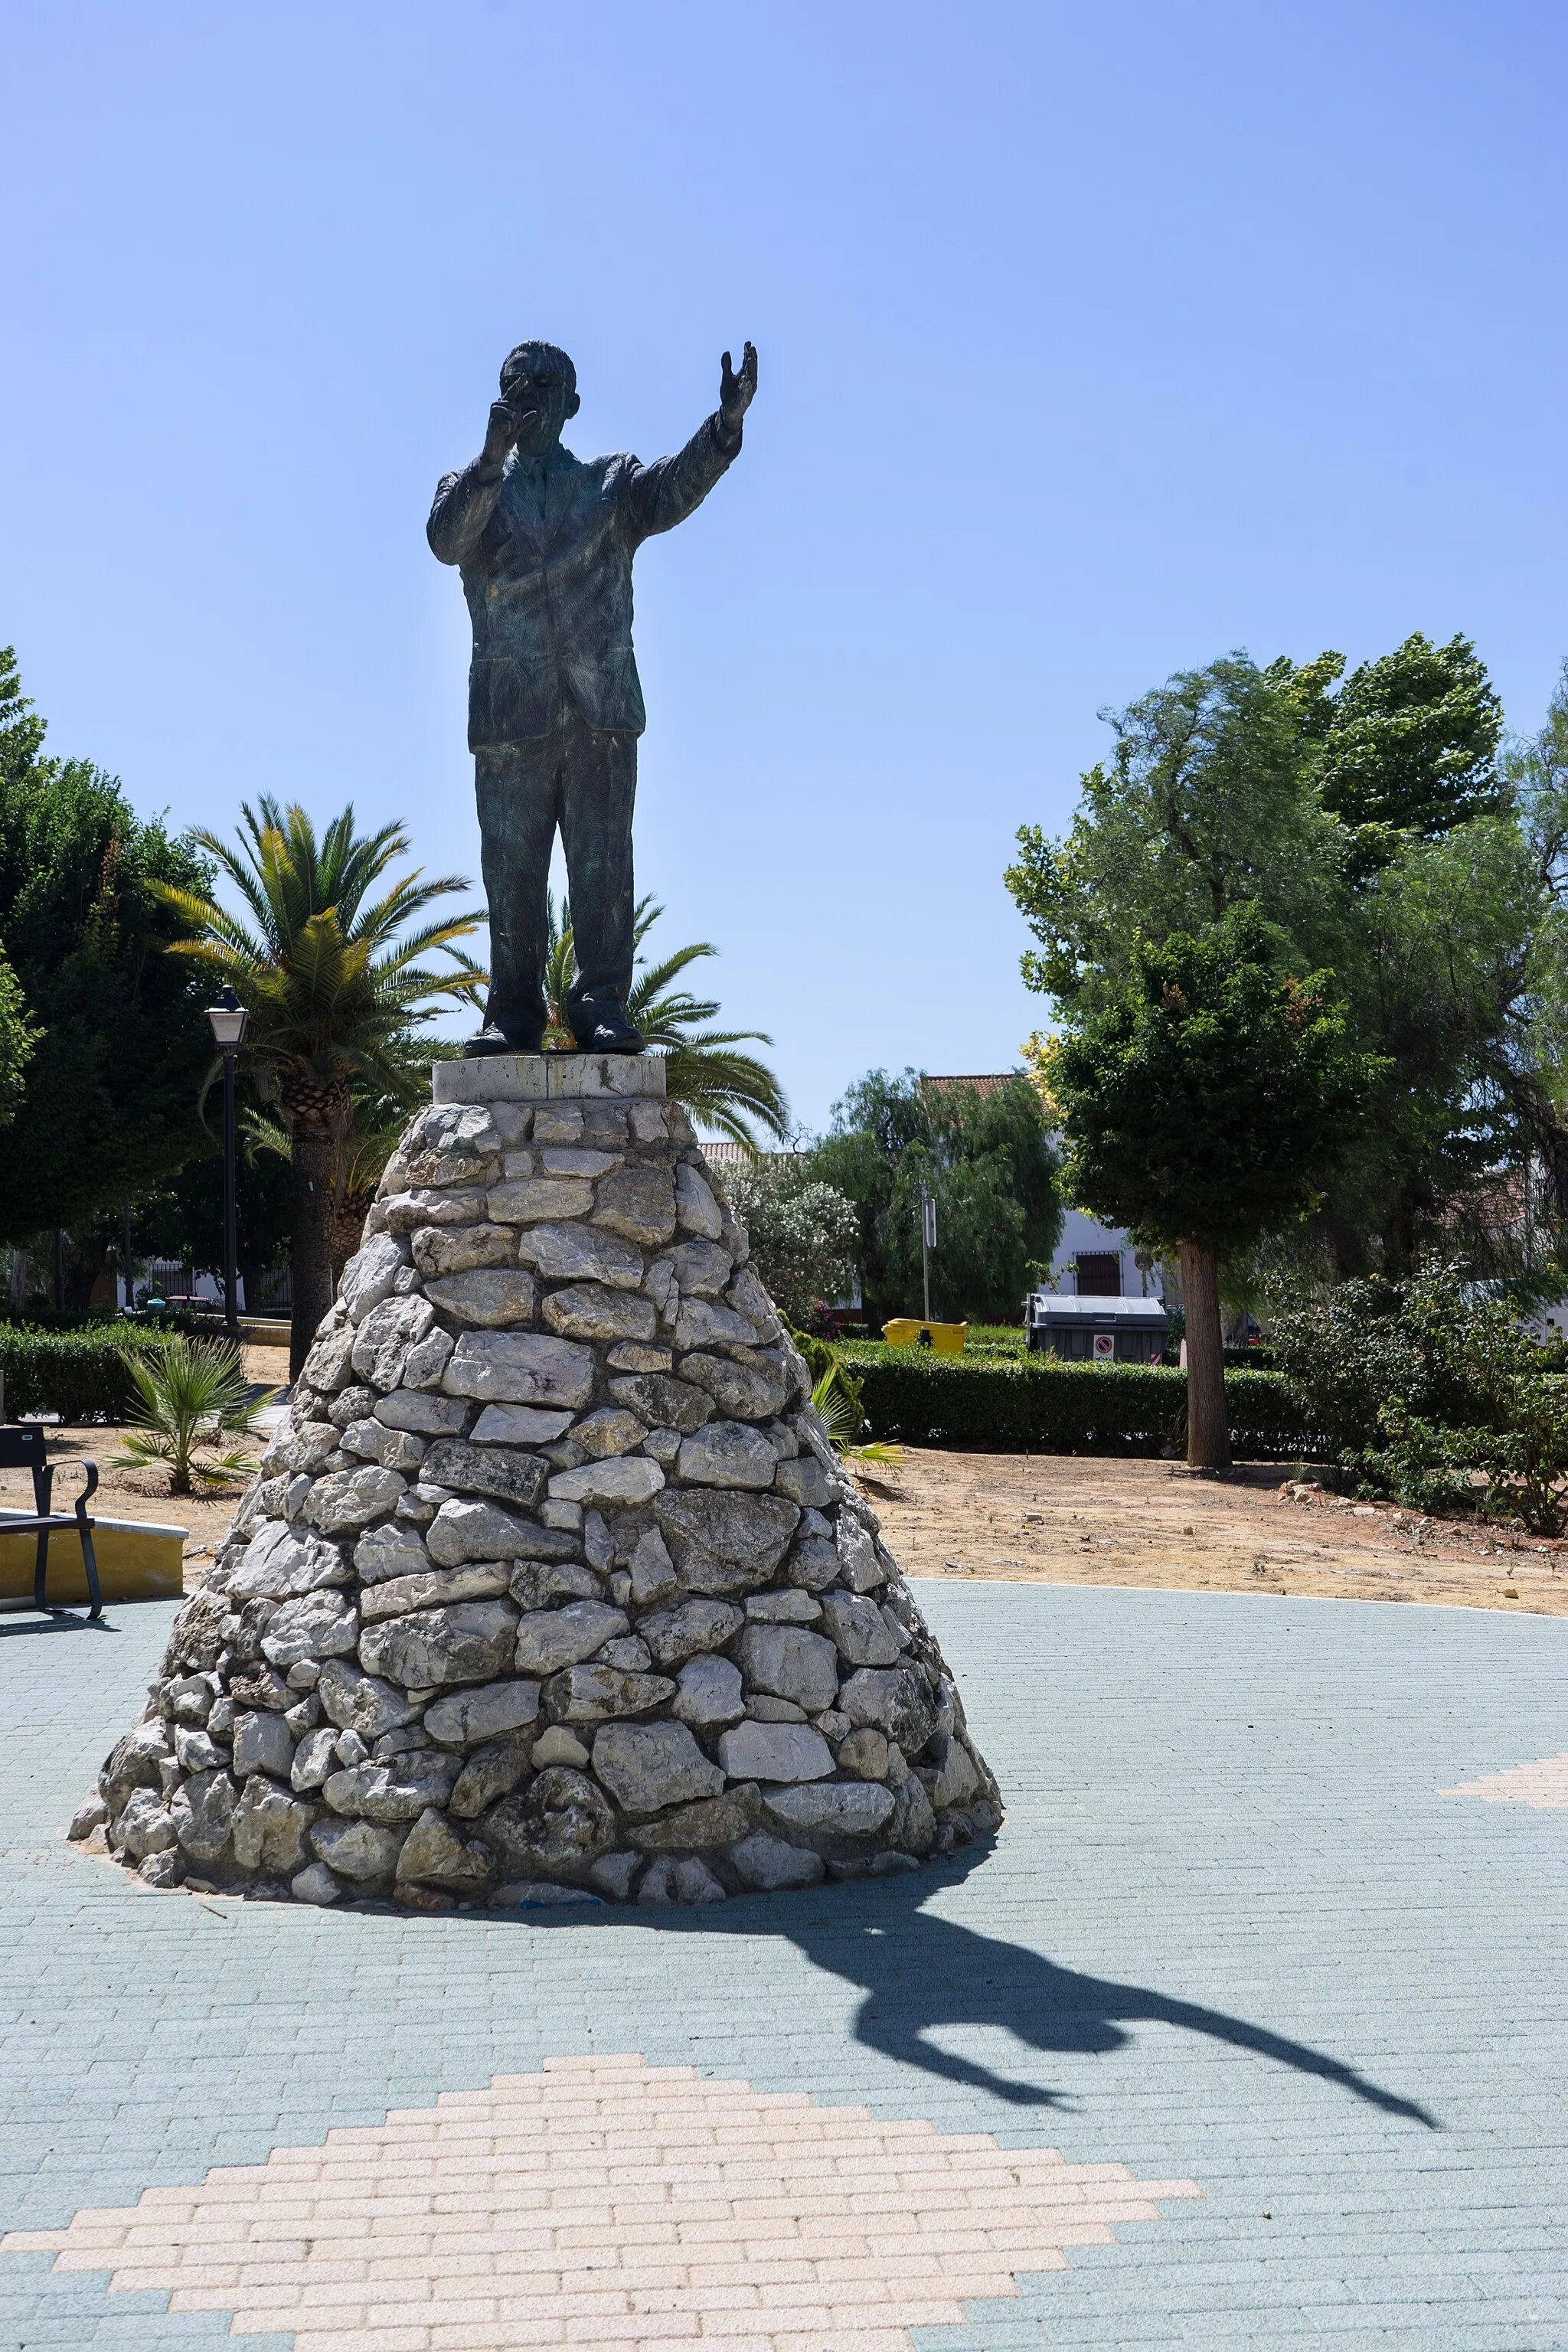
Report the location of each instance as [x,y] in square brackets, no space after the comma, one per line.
[191,1398]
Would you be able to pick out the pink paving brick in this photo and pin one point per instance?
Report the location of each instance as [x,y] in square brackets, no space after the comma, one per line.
[605,2202]
[1543,1785]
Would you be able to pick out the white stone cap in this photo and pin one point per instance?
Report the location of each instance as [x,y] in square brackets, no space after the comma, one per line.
[546,1077]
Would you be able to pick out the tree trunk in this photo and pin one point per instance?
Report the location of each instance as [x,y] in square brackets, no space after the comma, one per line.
[1209,1423]
[310,1259]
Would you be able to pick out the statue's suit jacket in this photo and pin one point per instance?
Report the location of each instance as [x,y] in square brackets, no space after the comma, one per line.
[546,546]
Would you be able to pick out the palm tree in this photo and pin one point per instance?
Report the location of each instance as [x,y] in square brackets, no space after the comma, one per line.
[722,1088]
[190,1396]
[332,985]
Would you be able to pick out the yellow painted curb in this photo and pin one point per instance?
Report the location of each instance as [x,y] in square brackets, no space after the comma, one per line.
[136,1561]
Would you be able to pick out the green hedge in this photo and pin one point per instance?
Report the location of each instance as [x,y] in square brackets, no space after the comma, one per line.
[79,1374]
[1045,1407]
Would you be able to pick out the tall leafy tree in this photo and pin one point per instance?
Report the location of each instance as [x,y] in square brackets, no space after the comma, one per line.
[987,1161]
[1203,1101]
[330,976]
[1408,743]
[18,1042]
[109,1091]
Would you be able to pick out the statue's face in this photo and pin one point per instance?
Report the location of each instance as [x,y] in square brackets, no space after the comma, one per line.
[541,397]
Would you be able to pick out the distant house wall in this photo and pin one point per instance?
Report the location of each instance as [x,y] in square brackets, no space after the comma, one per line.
[1083,1236]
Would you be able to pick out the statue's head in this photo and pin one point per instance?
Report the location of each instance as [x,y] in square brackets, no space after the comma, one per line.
[540,385]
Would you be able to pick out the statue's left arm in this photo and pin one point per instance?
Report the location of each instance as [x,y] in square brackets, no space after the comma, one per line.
[663,494]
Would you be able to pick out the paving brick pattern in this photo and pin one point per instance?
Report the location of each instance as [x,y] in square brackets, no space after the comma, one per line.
[1232,1934]
[603,2202]
[1543,1785]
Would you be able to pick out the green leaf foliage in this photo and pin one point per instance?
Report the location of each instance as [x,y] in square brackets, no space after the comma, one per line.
[987,1161]
[1035,1406]
[107,1094]
[1409,742]
[1205,1102]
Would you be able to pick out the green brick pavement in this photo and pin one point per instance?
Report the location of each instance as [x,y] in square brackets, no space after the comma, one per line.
[1230,1932]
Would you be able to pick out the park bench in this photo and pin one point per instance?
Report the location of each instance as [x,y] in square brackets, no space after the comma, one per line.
[27,1449]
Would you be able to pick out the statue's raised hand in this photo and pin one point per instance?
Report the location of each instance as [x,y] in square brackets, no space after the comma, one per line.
[501,433]
[736,392]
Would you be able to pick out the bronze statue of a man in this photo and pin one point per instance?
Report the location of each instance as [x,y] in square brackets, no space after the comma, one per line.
[545,543]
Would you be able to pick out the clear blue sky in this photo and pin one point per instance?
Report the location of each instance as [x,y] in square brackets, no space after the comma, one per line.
[1095,342]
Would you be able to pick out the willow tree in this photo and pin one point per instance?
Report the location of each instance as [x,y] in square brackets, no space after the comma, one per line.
[332,979]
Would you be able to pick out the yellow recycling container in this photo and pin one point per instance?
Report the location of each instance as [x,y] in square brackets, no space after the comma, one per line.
[908,1331]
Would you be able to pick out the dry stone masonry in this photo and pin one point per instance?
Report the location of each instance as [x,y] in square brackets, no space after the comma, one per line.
[551,1582]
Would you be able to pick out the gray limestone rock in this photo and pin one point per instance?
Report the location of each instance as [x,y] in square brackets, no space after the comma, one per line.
[774,1751]
[893,1700]
[669,1881]
[750,1385]
[701,1269]
[711,1822]
[646,1766]
[638,1203]
[611,1430]
[390,1552]
[280,1562]
[727,1454]
[709,1692]
[91,1814]
[202,1810]
[561,1822]
[370,1274]
[488,1772]
[592,1693]
[791,1607]
[394,1449]
[770,1864]
[586,1310]
[433,1855]
[554,1638]
[519,1425]
[271,1828]
[863,1753]
[395,1791]
[357,1850]
[507,1477]
[435,1589]
[486,1295]
[531,1198]
[578,1254]
[425,1364]
[574,1159]
[423,1411]
[328,1367]
[383,1340]
[315,1759]
[747,1297]
[360,1704]
[857,1625]
[143,1826]
[623,1478]
[674,1634]
[662,1403]
[262,1743]
[697,1211]
[814,1563]
[469,1643]
[614,1874]
[441,1250]
[652,1569]
[790,1663]
[316,1625]
[537,1583]
[707,1323]
[471,1716]
[520,1368]
[462,1531]
[834,1816]
[725,1543]
[952,1778]
[346,1500]
[911,1825]
[314,1884]
[858,1567]
[404,1212]
[805,1481]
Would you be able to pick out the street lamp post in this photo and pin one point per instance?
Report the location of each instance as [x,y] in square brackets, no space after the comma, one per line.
[928,1243]
[228,1018]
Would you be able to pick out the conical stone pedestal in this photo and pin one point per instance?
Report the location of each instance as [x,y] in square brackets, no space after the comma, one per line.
[552,1581]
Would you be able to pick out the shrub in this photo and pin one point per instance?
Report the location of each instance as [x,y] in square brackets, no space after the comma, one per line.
[1053,1407]
[81,1375]
[803,1235]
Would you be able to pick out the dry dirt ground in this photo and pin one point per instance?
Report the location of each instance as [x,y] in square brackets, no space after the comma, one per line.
[143,1493]
[1054,1518]
[1049,1518]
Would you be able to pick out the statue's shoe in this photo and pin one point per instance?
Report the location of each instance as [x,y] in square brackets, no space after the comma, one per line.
[601,1027]
[491,1040]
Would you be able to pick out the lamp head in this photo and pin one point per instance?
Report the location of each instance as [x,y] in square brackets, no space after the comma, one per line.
[229,1020]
